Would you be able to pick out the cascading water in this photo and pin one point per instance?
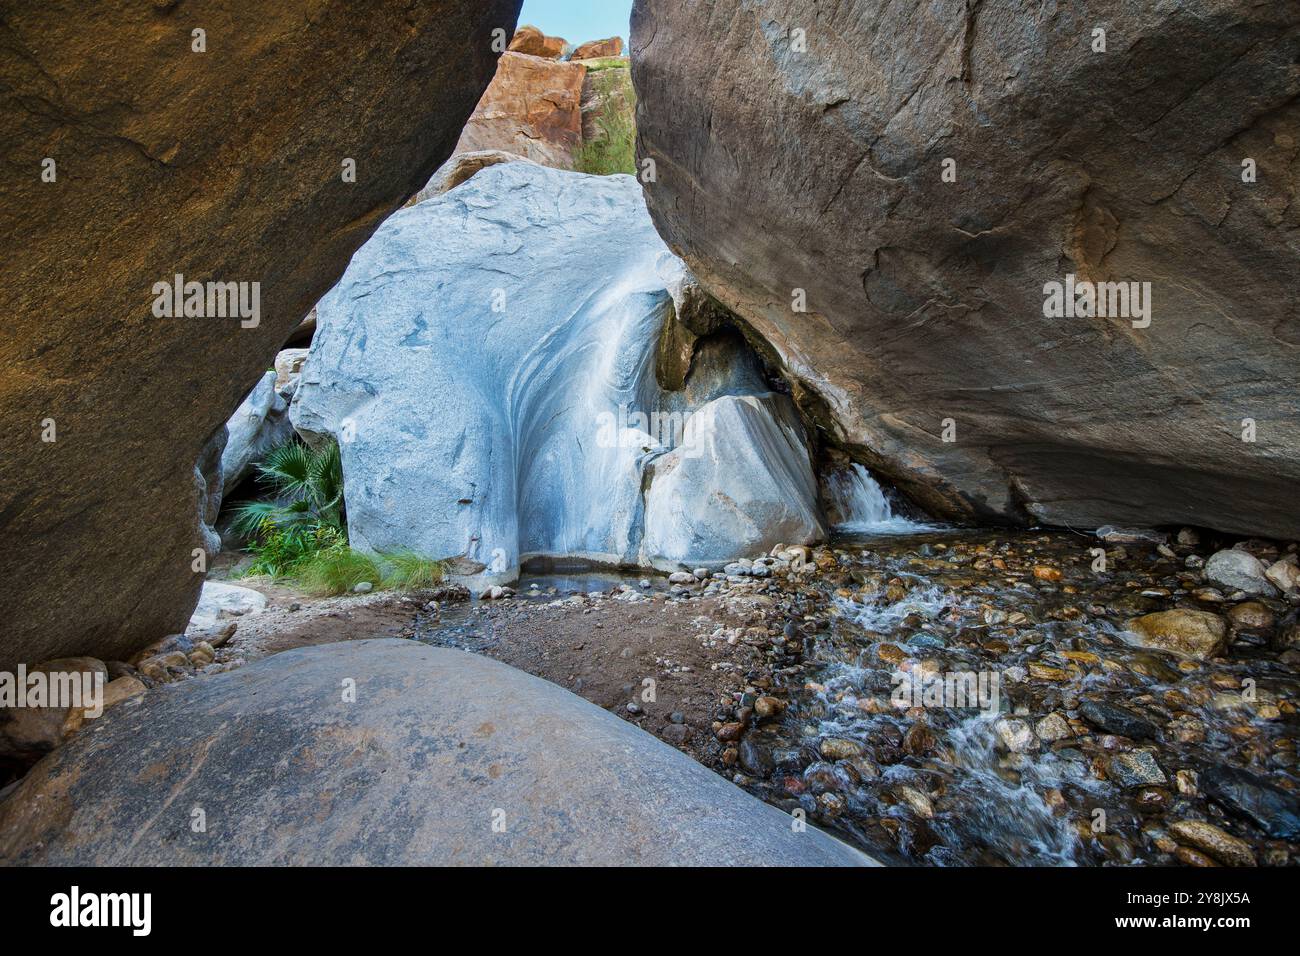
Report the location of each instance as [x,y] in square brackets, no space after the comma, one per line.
[862,505]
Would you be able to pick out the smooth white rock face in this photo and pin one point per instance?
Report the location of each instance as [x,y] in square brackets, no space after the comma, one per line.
[742,484]
[487,366]
[260,423]
[220,602]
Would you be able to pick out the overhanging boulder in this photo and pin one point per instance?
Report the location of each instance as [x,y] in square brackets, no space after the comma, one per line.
[884,191]
[255,143]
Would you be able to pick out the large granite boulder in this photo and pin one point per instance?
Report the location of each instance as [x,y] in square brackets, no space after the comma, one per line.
[488,367]
[533,108]
[387,753]
[802,159]
[734,499]
[213,140]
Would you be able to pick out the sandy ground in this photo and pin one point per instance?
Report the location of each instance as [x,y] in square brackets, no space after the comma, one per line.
[668,658]
[659,655]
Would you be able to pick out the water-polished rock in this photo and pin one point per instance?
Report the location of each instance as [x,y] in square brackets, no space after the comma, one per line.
[741,485]
[487,364]
[1272,809]
[1224,847]
[434,761]
[1198,634]
[263,159]
[1118,720]
[886,190]
[1237,570]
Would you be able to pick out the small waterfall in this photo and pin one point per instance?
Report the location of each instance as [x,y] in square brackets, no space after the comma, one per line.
[862,505]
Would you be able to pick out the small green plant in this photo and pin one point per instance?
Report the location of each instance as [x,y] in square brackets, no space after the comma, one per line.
[306,486]
[279,552]
[305,513]
[408,571]
[613,150]
[336,570]
[301,531]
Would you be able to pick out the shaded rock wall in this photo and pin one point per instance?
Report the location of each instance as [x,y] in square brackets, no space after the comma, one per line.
[224,165]
[802,146]
[259,425]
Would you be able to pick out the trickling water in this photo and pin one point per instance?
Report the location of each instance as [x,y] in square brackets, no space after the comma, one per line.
[862,505]
[1015,823]
[1039,772]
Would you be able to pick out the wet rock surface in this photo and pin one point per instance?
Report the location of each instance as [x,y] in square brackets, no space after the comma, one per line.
[525,305]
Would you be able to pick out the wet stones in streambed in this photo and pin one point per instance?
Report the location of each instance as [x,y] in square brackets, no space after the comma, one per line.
[1238,570]
[1249,797]
[755,758]
[1197,634]
[1227,849]
[1136,768]
[1093,713]
[1118,720]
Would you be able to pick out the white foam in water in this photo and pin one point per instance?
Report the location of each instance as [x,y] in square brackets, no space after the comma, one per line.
[863,507]
[1016,821]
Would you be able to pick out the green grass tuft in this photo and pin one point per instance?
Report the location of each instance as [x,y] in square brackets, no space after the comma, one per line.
[300,534]
[336,570]
[613,150]
[409,571]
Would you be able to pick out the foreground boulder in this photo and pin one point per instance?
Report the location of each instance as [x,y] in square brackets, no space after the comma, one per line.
[142,150]
[885,191]
[440,757]
[488,367]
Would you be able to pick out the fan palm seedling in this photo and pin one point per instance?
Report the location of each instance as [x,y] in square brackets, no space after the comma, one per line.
[306,488]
